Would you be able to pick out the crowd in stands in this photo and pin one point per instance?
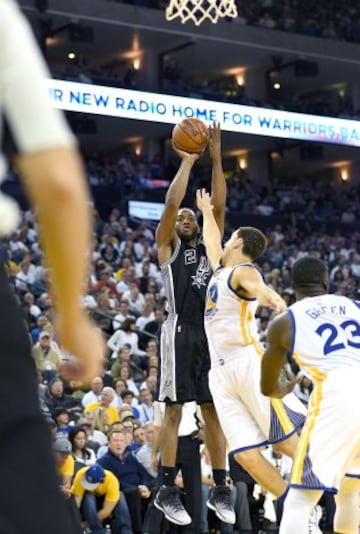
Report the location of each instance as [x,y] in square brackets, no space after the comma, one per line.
[126,298]
[176,81]
[315,18]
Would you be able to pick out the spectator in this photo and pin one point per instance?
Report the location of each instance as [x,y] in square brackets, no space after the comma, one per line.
[46,359]
[146,406]
[40,323]
[146,315]
[154,327]
[95,437]
[64,463]
[135,481]
[120,386]
[124,313]
[144,454]
[126,335]
[62,419]
[56,398]
[126,374]
[78,440]
[139,436]
[105,413]
[97,495]
[94,394]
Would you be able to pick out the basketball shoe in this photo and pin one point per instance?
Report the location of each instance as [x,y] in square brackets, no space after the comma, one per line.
[169,502]
[219,501]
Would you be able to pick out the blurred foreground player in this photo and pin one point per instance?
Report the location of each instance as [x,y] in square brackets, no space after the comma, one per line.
[52,175]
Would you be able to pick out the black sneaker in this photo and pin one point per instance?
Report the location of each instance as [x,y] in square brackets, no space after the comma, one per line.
[219,501]
[168,501]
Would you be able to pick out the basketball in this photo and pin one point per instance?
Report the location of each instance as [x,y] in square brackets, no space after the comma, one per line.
[191,136]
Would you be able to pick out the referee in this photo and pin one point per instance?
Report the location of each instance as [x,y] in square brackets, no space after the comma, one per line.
[49,165]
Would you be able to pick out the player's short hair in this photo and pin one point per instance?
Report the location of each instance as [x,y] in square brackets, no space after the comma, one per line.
[254,241]
[308,271]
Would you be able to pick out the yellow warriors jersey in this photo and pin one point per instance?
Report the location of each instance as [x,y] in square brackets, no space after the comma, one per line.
[229,317]
[326,334]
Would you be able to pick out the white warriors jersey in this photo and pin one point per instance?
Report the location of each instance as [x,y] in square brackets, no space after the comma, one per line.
[326,334]
[229,318]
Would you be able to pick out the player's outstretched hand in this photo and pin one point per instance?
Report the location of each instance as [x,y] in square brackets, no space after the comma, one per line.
[187,155]
[278,304]
[203,200]
[84,341]
[215,140]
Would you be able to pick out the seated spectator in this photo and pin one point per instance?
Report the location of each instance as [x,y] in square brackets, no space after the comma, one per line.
[35,311]
[126,374]
[40,323]
[124,313]
[64,463]
[123,359]
[105,413]
[151,383]
[135,481]
[144,453]
[126,415]
[154,327]
[94,394]
[97,495]
[105,281]
[126,335]
[46,359]
[49,327]
[147,315]
[25,277]
[103,312]
[95,438]
[81,453]
[135,298]
[56,398]
[120,386]
[129,399]
[146,406]
[62,419]
[139,435]
[264,208]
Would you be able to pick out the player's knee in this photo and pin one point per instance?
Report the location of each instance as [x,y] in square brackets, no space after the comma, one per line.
[248,459]
[208,412]
[173,415]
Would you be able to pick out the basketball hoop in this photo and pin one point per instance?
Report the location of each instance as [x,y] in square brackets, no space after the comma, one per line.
[200,10]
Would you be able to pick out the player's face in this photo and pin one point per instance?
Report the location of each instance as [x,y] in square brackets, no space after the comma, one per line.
[186,225]
[229,245]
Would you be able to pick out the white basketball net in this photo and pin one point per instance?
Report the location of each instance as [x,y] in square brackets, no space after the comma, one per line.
[200,10]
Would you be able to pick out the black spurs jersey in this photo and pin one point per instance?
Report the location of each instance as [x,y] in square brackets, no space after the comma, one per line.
[186,276]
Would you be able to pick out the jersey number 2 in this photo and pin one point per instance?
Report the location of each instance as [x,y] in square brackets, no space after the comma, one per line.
[352,330]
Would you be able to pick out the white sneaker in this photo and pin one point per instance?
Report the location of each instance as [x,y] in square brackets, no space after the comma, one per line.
[219,501]
[314,520]
[169,502]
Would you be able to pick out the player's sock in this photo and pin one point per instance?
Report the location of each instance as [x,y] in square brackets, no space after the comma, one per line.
[168,476]
[219,476]
[347,510]
[297,510]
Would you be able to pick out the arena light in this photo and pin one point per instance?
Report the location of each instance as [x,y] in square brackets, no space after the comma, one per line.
[344,174]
